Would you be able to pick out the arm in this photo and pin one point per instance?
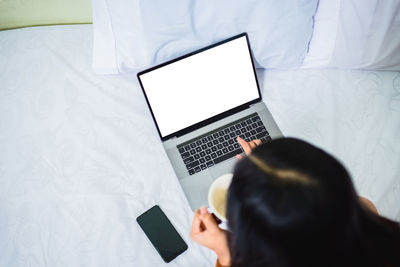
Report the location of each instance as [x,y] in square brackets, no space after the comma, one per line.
[205,230]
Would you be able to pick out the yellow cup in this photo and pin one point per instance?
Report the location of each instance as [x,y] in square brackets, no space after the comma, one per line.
[217,197]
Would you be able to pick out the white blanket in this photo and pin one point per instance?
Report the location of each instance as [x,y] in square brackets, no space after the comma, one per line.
[80,157]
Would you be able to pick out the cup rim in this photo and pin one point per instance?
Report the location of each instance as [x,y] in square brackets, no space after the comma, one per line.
[227,176]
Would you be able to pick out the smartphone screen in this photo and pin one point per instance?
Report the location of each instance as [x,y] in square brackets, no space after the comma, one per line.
[161,233]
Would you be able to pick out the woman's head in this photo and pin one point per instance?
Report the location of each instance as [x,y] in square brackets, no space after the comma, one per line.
[292,204]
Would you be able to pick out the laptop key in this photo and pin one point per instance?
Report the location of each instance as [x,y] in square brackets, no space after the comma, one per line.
[191,171]
[232,128]
[219,146]
[232,135]
[208,157]
[198,149]
[197,169]
[210,138]
[227,137]
[247,134]
[215,142]
[221,139]
[230,141]
[204,146]
[248,121]
[208,151]
[181,150]
[266,139]
[203,166]
[227,156]
[236,145]
[260,135]
[202,160]
[225,150]
[214,148]
[237,132]
[187,148]
[213,155]
[192,164]
[219,153]
[188,160]
[260,129]
[198,142]
[185,155]
[230,148]
[243,130]
[192,145]
[192,152]
[209,164]
[209,144]
[260,123]
[225,144]
[196,156]
[215,135]
[202,154]
[253,132]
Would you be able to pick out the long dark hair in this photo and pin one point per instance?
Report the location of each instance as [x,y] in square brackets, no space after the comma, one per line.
[292,204]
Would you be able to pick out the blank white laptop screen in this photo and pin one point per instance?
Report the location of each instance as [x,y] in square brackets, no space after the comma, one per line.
[200,86]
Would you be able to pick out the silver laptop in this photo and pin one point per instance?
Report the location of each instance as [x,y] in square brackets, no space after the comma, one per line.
[200,103]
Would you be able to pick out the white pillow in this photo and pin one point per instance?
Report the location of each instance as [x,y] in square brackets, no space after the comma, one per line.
[356,34]
[104,59]
[148,32]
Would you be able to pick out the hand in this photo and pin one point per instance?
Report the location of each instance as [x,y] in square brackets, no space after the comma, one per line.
[247,146]
[205,231]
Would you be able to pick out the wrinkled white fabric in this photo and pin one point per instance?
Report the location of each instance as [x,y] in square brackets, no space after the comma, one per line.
[80,157]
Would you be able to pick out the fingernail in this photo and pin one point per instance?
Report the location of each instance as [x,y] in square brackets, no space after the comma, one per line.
[203,210]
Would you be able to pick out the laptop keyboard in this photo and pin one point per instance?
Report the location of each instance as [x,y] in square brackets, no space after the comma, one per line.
[220,144]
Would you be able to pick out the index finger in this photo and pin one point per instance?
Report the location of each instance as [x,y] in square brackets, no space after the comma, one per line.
[257,142]
[246,147]
[196,224]
[209,221]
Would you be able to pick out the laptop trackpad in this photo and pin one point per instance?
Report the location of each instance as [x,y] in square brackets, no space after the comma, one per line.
[223,168]
[196,188]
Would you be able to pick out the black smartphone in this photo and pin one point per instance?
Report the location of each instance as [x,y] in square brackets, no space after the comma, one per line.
[162,234]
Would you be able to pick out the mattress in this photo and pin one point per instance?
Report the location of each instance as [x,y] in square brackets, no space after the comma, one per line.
[16,14]
[81,158]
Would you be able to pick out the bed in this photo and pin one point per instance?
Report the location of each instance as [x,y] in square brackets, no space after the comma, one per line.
[81,159]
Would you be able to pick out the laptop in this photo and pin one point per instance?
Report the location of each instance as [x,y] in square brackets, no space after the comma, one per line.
[200,103]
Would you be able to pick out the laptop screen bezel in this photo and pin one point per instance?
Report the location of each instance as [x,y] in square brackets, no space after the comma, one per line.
[212,119]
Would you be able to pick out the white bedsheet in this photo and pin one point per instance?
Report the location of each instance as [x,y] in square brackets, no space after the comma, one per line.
[80,157]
